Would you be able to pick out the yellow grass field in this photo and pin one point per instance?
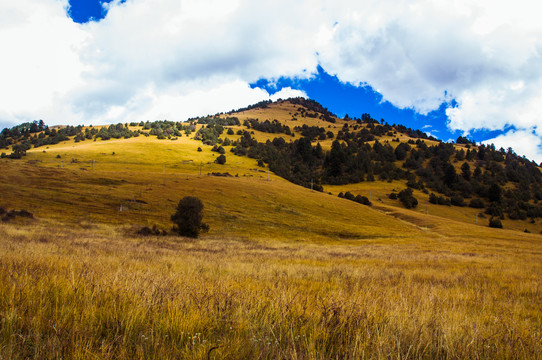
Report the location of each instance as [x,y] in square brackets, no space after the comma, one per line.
[283,273]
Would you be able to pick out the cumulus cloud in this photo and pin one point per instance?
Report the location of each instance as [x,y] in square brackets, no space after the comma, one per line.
[39,64]
[524,143]
[171,59]
[146,59]
[178,105]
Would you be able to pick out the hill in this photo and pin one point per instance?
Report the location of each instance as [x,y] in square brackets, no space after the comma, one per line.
[309,255]
[302,142]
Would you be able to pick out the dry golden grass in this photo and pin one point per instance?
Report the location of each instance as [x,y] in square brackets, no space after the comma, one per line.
[99,293]
[247,206]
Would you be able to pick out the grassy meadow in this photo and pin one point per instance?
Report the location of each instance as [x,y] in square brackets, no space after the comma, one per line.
[95,291]
[283,273]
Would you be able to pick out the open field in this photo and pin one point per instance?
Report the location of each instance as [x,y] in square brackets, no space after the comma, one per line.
[99,293]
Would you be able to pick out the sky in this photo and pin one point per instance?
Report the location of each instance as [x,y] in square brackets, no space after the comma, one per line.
[461,67]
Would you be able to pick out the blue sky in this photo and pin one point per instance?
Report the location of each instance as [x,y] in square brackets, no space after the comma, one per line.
[477,72]
[82,11]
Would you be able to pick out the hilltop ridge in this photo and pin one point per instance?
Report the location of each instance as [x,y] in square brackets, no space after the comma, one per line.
[303,142]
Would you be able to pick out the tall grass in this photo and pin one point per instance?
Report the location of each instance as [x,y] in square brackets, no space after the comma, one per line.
[100,293]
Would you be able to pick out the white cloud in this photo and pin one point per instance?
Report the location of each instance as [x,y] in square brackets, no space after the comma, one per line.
[524,143]
[39,64]
[176,58]
[159,58]
[177,105]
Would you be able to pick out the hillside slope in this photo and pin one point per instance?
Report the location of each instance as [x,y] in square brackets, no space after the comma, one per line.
[462,182]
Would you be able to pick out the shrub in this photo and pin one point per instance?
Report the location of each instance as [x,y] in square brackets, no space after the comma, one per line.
[12,214]
[221,160]
[392,196]
[407,198]
[147,231]
[363,200]
[494,209]
[477,204]
[199,149]
[457,200]
[495,222]
[188,217]
[349,196]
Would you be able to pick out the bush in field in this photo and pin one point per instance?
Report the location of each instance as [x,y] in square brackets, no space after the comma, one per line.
[477,204]
[221,160]
[188,217]
[495,222]
[408,199]
[363,200]
[457,200]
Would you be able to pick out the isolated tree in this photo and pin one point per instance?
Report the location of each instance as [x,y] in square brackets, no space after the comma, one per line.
[221,160]
[495,222]
[188,217]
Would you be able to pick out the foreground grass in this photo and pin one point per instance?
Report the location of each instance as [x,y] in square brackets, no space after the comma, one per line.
[100,292]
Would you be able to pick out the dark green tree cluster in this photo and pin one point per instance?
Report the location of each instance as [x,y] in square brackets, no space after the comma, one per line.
[312,132]
[364,200]
[22,132]
[297,161]
[209,134]
[494,170]
[407,198]
[215,120]
[315,107]
[164,129]
[25,136]
[88,134]
[117,131]
[273,127]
